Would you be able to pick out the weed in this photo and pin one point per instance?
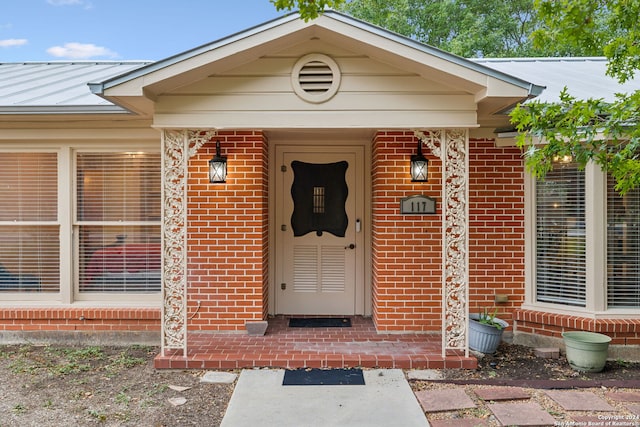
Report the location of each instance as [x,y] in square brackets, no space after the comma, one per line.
[125,360]
[22,366]
[145,348]
[70,368]
[6,354]
[148,403]
[123,398]
[100,416]
[122,416]
[19,409]
[622,363]
[48,404]
[157,389]
[74,353]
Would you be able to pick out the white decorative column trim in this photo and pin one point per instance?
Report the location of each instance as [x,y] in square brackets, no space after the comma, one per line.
[452,147]
[177,147]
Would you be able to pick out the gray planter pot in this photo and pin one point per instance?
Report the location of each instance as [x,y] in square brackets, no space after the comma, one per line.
[485,338]
[586,351]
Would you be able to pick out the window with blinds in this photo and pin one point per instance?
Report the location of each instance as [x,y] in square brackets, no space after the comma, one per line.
[560,237]
[29,228]
[118,222]
[623,247]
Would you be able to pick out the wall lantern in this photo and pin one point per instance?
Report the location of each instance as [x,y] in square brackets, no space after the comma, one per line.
[218,167]
[419,166]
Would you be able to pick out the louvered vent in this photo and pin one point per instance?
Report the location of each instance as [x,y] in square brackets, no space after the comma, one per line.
[315,78]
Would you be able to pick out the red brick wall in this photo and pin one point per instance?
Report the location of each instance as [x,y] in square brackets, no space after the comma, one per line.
[496,227]
[80,319]
[227,235]
[406,248]
[621,331]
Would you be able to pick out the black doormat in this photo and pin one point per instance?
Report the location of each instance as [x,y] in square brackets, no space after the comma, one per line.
[320,322]
[352,376]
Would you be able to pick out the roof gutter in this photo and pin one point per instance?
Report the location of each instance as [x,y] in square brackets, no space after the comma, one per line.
[71,109]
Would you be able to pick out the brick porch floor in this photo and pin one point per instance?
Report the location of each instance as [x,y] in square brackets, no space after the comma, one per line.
[284,347]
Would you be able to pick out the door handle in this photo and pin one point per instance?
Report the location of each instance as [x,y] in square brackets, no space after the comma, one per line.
[351,246]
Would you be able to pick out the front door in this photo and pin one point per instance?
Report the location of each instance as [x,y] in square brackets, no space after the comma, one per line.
[319,220]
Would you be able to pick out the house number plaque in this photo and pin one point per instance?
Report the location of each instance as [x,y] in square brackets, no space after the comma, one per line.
[417,205]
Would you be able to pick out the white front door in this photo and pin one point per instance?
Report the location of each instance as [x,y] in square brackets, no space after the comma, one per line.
[319,227]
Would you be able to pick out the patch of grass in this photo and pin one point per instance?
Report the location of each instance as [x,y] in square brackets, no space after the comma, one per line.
[157,389]
[70,368]
[6,354]
[24,366]
[48,404]
[75,353]
[125,360]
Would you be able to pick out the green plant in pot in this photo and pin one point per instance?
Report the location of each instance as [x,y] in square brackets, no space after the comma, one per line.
[485,331]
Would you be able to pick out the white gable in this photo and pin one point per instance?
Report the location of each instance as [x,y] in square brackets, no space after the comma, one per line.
[245,81]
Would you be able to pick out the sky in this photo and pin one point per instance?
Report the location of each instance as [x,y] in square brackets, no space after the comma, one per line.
[64,30]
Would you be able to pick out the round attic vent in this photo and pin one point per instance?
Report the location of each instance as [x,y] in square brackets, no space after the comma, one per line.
[315,78]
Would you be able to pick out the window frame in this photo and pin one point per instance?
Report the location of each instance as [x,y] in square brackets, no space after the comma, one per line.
[68,294]
[11,297]
[77,224]
[595,251]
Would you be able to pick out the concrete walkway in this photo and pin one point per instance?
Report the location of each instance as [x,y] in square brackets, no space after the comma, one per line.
[386,399]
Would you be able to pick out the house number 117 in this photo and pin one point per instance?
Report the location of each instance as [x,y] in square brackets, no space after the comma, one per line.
[417,205]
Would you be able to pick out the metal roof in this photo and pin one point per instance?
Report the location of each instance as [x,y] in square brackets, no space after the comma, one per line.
[583,77]
[58,87]
[62,87]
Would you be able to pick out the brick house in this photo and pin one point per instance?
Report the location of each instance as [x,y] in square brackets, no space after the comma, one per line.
[112,227]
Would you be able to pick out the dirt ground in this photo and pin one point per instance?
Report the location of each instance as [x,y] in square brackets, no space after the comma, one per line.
[105,386]
[118,386]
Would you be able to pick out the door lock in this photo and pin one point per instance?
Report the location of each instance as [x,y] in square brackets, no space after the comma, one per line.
[351,246]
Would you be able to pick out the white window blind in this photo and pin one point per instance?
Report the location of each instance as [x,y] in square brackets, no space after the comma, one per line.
[118,221]
[29,229]
[560,236]
[623,247]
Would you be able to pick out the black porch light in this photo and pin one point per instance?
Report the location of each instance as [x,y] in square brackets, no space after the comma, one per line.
[419,166]
[218,167]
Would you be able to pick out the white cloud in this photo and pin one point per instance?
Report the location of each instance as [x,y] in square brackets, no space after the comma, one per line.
[80,51]
[85,3]
[64,2]
[12,42]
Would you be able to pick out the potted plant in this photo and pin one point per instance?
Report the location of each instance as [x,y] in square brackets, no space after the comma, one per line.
[485,331]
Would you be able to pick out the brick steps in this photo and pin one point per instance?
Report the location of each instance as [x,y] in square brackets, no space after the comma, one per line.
[284,347]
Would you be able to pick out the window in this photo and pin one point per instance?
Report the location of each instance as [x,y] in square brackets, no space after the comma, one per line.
[29,228]
[118,222]
[623,247]
[80,225]
[585,250]
[560,235]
